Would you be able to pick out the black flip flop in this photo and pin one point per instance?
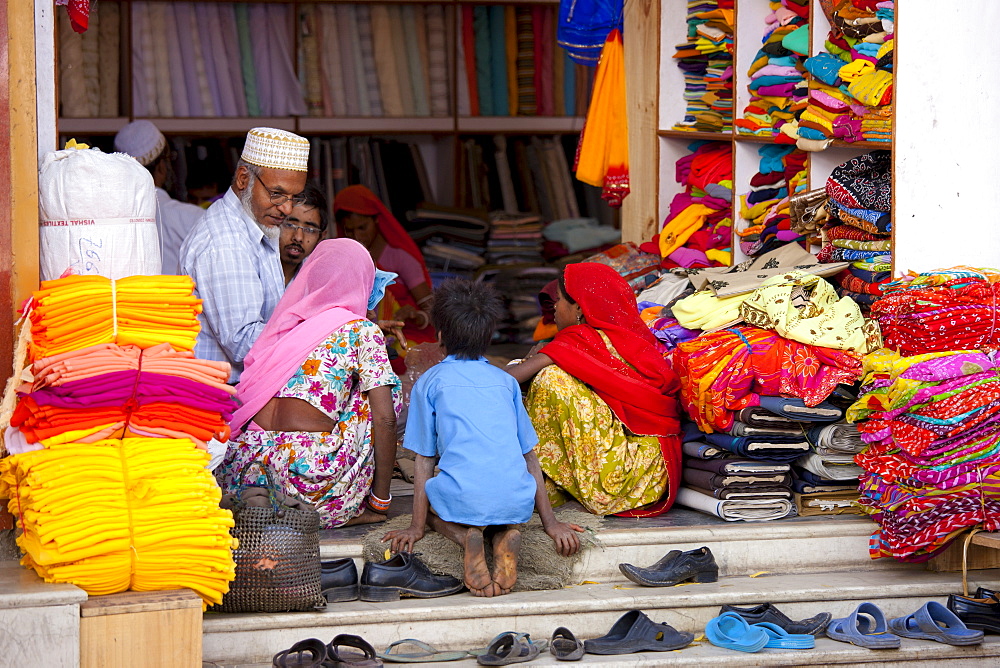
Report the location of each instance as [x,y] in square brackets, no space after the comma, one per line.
[564,645]
[508,648]
[309,653]
[635,632]
[338,658]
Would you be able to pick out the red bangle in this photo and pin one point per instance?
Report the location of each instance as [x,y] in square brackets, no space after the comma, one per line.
[379,505]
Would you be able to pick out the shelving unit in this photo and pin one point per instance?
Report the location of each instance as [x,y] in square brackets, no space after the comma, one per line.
[749,24]
[439,137]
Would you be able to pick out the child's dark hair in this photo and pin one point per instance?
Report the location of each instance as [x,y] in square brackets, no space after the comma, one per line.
[466,314]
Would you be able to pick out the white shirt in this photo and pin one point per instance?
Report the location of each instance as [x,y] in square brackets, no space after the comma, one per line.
[174,220]
[237,275]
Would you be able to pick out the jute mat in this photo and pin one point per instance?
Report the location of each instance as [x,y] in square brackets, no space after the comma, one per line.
[539,567]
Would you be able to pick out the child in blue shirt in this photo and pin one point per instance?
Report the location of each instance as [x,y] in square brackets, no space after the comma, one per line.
[469,415]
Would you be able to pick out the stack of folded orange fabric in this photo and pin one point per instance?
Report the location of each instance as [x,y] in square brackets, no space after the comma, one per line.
[107,474]
[109,390]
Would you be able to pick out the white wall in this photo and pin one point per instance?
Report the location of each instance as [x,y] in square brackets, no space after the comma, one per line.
[947,135]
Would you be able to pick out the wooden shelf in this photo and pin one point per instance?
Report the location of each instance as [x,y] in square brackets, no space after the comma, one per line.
[837,143]
[987,539]
[308,125]
[380,125]
[519,124]
[695,135]
[91,126]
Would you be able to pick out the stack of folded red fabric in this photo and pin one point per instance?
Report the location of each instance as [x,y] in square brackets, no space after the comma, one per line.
[956,309]
[698,230]
[932,465]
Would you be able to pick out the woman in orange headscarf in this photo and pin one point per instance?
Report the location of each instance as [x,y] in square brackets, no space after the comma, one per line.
[361,216]
[604,401]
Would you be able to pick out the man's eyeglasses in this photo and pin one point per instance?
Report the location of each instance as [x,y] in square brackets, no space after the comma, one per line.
[308,231]
[279,198]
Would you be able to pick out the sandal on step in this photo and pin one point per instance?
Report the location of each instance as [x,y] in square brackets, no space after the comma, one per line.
[730,631]
[933,621]
[304,654]
[565,646]
[426,653]
[507,648]
[338,658]
[865,627]
[779,638]
[635,632]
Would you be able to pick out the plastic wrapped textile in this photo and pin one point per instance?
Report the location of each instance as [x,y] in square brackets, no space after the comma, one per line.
[97,215]
[139,514]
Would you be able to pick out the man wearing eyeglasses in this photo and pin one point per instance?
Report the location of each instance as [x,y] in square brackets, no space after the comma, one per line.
[302,230]
[233,255]
[174,220]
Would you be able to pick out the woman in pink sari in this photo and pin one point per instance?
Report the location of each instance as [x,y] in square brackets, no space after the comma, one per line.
[319,399]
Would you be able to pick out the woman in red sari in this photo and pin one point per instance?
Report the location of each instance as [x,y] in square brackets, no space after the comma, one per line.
[361,216]
[604,401]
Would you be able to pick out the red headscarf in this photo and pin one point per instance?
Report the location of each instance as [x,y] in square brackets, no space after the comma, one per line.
[362,201]
[642,390]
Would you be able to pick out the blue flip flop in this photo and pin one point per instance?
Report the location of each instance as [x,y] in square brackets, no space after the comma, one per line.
[933,621]
[779,638]
[865,627]
[730,631]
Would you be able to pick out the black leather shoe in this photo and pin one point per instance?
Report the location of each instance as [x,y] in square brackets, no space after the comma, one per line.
[675,567]
[983,592]
[982,614]
[766,612]
[404,575]
[339,580]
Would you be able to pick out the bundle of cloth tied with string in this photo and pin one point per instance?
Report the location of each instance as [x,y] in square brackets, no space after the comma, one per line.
[106,433]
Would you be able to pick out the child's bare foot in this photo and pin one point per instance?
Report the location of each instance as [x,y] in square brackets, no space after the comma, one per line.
[369,516]
[477,574]
[506,548]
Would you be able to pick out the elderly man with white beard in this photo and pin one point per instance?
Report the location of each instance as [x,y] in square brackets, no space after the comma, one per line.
[232,254]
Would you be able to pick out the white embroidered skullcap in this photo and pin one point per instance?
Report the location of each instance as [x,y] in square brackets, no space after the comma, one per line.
[277,149]
[142,140]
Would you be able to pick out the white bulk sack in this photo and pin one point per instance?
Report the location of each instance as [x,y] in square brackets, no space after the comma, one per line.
[97,215]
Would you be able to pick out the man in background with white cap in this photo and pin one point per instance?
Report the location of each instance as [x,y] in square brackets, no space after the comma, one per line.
[232,255]
[174,220]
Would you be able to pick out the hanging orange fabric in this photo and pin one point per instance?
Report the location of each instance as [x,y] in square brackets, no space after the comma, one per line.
[602,155]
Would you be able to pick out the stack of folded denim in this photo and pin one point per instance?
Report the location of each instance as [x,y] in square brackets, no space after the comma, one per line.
[859,230]
[777,82]
[826,480]
[850,84]
[706,59]
[932,466]
[765,209]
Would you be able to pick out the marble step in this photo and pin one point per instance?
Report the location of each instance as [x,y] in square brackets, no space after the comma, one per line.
[464,621]
[799,545]
[913,653]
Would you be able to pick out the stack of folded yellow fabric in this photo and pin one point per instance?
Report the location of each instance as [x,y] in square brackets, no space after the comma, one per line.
[139,513]
[79,311]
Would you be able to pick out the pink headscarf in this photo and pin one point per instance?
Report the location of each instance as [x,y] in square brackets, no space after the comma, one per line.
[331,288]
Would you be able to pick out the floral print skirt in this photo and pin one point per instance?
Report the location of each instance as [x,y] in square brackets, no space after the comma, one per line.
[332,471]
[586,451]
